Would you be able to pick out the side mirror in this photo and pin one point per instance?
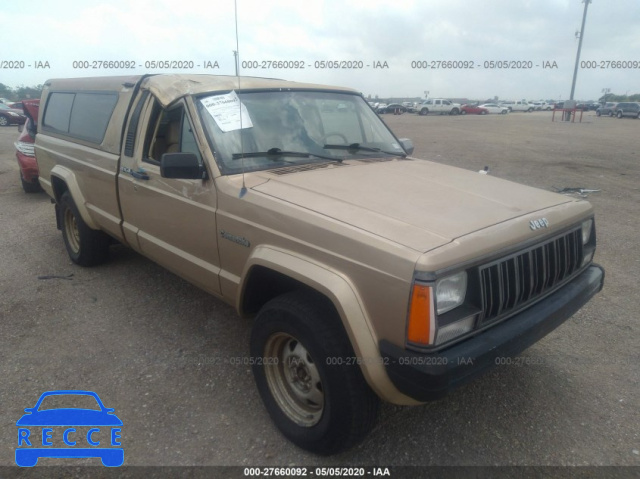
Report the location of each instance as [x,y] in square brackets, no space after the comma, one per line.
[183,166]
[407,144]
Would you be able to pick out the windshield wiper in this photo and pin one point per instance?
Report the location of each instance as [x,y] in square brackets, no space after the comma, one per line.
[275,153]
[272,154]
[355,147]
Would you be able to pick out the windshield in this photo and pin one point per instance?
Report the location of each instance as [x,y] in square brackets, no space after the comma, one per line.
[280,128]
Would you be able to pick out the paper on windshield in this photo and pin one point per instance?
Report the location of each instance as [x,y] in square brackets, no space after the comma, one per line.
[228,111]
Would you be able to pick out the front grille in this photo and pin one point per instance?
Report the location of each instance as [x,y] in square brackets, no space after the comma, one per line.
[510,283]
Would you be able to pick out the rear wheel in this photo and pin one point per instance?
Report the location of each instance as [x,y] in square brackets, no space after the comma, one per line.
[86,247]
[4,121]
[302,364]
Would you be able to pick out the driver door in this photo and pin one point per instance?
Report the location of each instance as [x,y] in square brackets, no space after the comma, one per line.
[171,221]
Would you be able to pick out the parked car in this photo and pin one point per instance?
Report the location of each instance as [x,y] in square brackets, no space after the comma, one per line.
[473,110]
[365,273]
[519,105]
[11,116]
[380,107]
[630,109]
[24,148]
[411,107]
[608,109]
[395,108]
[495,108]
[439,105]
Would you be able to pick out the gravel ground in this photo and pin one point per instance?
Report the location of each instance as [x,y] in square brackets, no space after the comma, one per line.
[151,344]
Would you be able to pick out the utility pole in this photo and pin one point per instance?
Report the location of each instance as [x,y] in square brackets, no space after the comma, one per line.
[575,70]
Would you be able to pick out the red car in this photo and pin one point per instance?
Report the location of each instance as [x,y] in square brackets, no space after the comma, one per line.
[11,116]
[24,148]
[473,110]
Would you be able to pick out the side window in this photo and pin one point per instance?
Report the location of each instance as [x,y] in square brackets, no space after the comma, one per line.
[83,115]
[58,111]
[170,131]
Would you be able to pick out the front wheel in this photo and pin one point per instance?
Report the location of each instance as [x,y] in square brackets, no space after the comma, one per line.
[455,111]
[424,112]
[304,370]
[86,247]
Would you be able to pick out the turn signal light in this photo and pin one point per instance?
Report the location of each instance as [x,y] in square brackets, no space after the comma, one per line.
[421,328]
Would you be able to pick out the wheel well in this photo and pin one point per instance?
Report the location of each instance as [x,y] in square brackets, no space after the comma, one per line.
[59,187]
[265,284]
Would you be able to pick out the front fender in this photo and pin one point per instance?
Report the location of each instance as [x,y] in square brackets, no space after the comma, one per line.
[344,296]
[69,178]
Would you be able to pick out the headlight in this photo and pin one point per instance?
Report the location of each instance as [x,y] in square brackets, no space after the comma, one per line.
[450,291]
[587,226]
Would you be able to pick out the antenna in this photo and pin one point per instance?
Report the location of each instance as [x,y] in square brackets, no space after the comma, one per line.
[236,54]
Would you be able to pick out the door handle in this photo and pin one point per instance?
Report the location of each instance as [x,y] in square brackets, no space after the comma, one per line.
[139,175]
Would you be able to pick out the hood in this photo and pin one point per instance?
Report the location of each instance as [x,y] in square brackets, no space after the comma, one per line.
[416,203]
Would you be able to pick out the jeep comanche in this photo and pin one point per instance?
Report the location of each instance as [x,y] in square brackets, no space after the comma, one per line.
[367,273]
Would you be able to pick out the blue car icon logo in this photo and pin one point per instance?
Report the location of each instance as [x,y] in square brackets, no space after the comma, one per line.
[69,432]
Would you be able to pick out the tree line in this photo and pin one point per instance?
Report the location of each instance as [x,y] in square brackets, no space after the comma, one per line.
[20,92]
[619,98]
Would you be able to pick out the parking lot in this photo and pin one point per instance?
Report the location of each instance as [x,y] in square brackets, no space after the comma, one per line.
[162,352]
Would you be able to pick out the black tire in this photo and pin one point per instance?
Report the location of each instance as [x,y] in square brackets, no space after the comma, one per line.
[504,112]
[455,111]
[424,111]
[30,187]
[463,112]
[483,112]
[86,247]
[619,114]
[322,407]
[4,121]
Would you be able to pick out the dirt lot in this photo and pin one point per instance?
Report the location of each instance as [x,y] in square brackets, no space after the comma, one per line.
[148,342]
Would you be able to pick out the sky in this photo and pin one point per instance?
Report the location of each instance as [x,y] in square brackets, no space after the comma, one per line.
[399,48]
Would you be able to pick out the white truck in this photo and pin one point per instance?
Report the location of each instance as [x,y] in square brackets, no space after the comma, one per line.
[438,105]
[519,105]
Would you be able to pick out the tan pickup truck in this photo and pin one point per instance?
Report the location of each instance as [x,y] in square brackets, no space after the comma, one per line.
[367,273]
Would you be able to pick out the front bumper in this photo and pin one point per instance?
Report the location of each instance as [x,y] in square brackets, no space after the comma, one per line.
[429,376]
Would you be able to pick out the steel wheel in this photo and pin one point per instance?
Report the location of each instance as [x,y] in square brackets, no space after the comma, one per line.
[71,229]
[295,380]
